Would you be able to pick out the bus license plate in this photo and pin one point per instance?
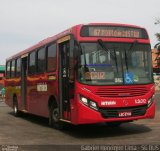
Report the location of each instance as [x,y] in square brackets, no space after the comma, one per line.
[125,114]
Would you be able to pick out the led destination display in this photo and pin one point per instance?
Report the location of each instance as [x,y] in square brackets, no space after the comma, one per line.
[113,31]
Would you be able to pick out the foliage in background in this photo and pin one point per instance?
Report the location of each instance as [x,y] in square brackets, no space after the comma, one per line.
[157,22]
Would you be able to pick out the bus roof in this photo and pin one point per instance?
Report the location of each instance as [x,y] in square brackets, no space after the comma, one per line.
[64,33]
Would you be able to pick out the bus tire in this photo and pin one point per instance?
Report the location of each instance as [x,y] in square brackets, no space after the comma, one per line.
[15,108]
[54,120]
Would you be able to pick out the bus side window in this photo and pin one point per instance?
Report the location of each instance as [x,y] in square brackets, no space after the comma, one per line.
[13,68]
[41,60]
[8,69]
[18,67]
[32,63]
[51,58]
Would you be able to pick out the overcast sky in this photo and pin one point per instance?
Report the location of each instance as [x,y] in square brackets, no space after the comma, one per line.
[26,22]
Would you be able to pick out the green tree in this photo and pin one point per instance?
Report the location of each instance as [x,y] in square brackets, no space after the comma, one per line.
[157,22]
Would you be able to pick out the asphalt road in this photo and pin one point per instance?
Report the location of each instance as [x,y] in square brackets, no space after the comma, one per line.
[32,130]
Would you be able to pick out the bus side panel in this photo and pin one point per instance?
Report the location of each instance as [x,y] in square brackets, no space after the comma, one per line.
[13,88]
[8,97]
[18,92]
[39,89]
[35,94]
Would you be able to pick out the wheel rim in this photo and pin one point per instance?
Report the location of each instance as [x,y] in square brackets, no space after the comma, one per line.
[15,109]
[55,115]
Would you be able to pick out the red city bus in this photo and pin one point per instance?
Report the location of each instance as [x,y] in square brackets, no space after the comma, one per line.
[92,73]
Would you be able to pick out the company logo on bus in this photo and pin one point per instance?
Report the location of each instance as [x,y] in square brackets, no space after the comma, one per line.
[125,102]
[107,103]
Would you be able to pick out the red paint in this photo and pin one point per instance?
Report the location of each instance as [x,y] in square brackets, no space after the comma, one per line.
[37,102]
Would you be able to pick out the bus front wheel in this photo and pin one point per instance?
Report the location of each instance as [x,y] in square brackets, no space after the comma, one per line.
[54,120]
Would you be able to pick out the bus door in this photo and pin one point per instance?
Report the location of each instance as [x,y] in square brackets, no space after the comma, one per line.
[23,81]
[65,76]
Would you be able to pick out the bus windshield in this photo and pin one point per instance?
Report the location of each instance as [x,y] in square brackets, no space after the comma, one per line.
[114,63]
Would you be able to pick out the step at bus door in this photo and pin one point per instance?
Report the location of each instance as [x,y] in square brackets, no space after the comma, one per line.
[64,76]
[23,80]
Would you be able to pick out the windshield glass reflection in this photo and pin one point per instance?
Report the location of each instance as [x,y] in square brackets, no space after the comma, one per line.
[114,64]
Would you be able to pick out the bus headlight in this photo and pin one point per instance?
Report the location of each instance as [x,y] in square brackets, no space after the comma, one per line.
[88,102]
[150,101]
[84,100]
[93,105]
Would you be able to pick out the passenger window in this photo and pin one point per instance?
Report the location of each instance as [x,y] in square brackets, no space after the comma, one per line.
[32,63]
[13,69]
[8,69]
[18,67]
[51,58]
[41,60]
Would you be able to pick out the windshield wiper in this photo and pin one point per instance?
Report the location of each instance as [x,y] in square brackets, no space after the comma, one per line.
[100,42]
[133,45]
[113,56]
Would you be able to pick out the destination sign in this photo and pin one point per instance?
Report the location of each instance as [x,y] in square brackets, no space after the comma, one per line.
[113,31]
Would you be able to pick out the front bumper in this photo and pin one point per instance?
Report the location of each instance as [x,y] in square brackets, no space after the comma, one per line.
[86,115]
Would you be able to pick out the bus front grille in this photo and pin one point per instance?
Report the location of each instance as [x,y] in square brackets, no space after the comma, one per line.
[114,112]
[121,91]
